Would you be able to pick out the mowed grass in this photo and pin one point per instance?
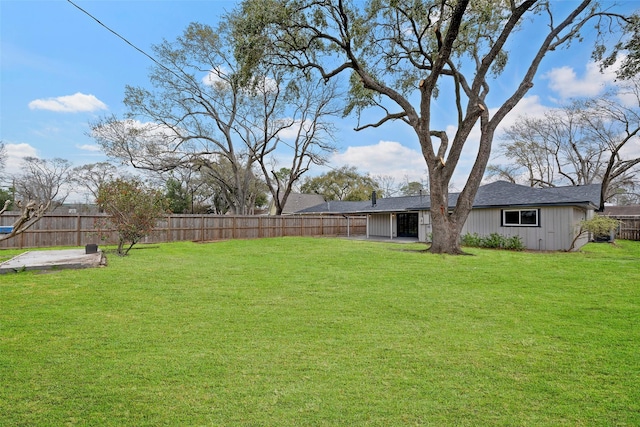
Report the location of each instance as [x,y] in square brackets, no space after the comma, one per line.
[333,332]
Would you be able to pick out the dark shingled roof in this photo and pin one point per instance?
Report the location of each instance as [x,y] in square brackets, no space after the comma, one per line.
[502,193]
[496,194]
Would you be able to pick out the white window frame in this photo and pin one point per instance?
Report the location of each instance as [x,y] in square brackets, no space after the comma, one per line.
[520,224]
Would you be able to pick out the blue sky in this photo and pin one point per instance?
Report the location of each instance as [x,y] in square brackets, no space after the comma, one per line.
[60,70]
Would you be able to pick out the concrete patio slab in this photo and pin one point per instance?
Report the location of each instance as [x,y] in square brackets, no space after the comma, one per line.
[56,259]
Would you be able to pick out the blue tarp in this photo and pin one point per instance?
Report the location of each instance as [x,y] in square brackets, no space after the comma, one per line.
[5,229]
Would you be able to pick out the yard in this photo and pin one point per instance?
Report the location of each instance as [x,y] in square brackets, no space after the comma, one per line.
[318,331]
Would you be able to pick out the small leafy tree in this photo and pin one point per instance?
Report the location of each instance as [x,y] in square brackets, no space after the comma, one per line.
[598,226]
[133,209]
[345,183]
[177,196]
[413,188]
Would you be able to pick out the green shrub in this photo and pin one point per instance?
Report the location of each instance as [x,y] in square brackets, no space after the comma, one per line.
[472,240]
[514,243]
[493,241]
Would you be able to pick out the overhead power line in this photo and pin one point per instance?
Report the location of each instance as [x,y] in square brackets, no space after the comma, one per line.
[124,39]
[116,33]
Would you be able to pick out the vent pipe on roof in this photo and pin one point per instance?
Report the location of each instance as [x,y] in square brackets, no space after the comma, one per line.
[373,198]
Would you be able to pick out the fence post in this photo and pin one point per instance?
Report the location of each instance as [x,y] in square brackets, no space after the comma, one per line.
[233,228]
[78,232]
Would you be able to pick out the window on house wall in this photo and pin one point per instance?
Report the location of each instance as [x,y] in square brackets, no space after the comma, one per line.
[521,218]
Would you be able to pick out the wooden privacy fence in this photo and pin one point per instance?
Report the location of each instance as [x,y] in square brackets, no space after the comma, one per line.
[79,230]
[629,227]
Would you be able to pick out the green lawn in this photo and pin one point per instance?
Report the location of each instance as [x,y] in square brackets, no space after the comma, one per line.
[334,332]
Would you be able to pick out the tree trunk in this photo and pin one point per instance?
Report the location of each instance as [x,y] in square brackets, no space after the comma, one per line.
[445,228]
[279,207]
[446,235]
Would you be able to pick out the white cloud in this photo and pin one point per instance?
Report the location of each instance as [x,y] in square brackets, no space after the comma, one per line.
[529,106]
[627,99]
[566,83]
[219,78]
[88,147]
[15,154]
[631,149]
[290,133]
[388,158]
[215,77]
[78,102]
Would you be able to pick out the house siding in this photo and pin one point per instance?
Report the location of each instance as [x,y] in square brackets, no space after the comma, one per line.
[560,211]
[424,226]
[380,224]
[558,227]
[581,215]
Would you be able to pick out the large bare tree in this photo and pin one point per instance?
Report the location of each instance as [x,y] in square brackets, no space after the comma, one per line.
[43,181]
[41,186]
[556,149]
[202,114]
[400,55]
[295,123]
[91,176]
[615,122]
[582,143]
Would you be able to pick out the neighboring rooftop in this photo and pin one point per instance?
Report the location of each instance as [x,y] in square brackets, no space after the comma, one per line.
[297,202]
[631,210]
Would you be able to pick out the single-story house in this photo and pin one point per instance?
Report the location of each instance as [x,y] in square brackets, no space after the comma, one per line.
[544,218]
